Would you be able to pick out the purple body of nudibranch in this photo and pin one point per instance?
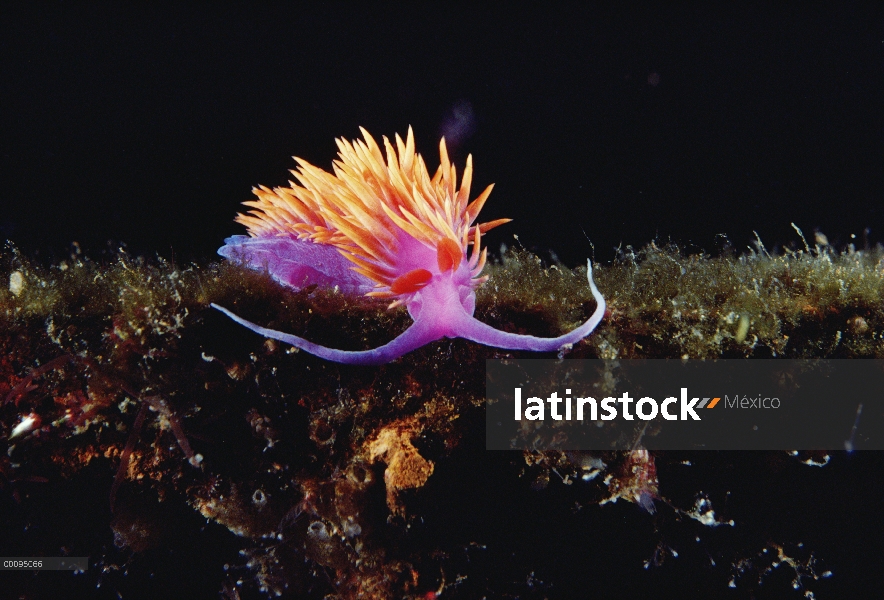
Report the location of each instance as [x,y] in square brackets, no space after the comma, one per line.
[296,263]
[441,309]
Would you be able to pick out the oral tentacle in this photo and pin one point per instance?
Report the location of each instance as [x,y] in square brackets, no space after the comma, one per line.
[419,334]
[470,328]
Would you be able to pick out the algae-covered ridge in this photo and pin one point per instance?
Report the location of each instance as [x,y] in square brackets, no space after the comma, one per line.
[119,384]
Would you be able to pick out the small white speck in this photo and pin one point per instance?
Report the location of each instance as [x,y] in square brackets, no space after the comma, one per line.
[27,423]
[16,283]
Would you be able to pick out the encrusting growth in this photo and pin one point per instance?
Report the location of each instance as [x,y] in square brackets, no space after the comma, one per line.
[384,228]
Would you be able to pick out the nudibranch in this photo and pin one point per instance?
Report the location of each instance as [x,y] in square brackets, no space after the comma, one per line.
[383,228]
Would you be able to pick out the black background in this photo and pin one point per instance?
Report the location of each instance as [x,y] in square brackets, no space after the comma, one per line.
[150,125]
